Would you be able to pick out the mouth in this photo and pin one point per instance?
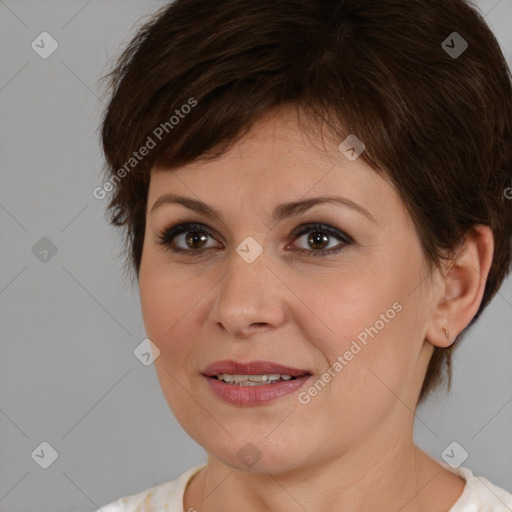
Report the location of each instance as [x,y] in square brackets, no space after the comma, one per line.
[253,382]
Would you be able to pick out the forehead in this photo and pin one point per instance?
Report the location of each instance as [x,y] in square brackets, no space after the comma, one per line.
[276,136]
[276,161]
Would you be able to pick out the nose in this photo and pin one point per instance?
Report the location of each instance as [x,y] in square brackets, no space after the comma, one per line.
[250,298]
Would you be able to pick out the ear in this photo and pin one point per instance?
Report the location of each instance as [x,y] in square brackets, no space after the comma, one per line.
[461,287]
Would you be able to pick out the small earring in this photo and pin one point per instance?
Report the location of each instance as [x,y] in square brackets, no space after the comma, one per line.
[446,333]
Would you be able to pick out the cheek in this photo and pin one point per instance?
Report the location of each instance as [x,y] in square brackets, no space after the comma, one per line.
[367,331]
[161,313]
[168,305]
[166,293]
[344,307]
[378,367]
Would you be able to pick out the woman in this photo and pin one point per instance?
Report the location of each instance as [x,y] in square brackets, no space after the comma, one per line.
[314,200]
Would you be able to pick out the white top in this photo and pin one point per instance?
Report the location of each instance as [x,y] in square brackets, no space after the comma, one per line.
[479,495]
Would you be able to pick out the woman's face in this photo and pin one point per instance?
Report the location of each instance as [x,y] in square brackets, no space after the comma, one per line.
[254,285]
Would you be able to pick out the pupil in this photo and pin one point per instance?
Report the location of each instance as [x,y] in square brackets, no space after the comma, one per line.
[317,240]
[194,237]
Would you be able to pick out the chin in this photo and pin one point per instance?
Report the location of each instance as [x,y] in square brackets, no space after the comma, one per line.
[255,457]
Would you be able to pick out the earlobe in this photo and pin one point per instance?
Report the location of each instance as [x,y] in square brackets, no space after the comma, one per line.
[462,287]
[439,335]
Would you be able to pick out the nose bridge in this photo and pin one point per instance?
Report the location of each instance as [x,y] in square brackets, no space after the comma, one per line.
[249,292]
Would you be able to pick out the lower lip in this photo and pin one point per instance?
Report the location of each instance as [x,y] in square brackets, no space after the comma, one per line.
[253,395]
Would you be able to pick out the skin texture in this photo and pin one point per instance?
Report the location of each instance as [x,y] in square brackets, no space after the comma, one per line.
[351,447]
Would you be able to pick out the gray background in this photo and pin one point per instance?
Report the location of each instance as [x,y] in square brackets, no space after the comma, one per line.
[68,375]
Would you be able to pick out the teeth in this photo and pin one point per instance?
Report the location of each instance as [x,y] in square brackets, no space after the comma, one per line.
[252,380]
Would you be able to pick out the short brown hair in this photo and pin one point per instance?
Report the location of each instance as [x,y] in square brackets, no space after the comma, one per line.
[435,116]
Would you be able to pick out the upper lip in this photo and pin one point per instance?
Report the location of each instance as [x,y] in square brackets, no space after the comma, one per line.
[232,367]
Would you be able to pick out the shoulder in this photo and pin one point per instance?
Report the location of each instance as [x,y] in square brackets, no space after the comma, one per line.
[164,497]
[481,495]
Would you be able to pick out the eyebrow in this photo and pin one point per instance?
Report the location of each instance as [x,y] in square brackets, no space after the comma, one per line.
[280,212]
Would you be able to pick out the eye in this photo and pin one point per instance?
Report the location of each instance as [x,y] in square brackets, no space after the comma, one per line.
[318,239]
[185,237]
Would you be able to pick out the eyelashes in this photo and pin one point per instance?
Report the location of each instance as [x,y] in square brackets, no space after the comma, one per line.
[201,235]
[166,237]
[319,229]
